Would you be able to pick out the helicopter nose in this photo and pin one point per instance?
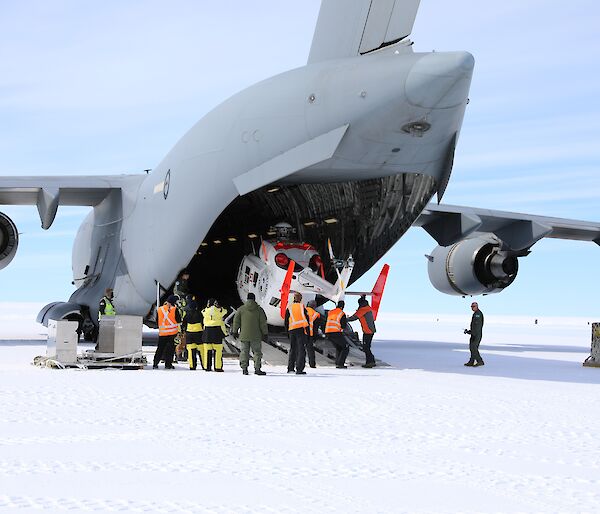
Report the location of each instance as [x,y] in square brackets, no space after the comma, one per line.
[440,80]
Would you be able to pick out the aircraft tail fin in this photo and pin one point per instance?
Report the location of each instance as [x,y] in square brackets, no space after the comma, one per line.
[378,289]
[349,28]
[377,293]
[285,289]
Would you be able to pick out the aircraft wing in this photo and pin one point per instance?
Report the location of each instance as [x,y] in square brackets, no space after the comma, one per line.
[448,224]
[48,192]
[349,28]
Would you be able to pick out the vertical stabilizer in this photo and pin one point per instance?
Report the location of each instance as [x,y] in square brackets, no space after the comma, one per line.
[348,28]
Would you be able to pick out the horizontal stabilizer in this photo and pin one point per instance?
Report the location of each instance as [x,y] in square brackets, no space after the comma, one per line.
[48,192]
[348,28]
[448,224]
[307,154]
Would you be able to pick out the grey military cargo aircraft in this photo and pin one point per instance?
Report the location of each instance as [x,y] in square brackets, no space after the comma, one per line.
[350,148]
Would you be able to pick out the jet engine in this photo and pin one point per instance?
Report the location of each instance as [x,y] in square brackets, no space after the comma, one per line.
[472,266]
[9,240]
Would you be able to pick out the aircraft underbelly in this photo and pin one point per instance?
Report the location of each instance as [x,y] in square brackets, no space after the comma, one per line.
[388,144]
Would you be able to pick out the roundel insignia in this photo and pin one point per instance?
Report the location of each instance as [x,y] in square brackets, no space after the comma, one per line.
[167,184]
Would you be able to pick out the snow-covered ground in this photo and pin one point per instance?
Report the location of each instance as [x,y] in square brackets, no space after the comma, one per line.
[427,435]
[17,321]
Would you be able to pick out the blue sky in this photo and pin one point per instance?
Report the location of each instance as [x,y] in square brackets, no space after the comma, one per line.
[96,88]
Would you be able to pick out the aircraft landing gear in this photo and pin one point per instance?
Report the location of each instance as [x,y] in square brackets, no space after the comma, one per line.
[89,331]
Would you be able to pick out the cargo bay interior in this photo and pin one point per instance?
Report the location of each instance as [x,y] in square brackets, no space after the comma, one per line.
[362,218]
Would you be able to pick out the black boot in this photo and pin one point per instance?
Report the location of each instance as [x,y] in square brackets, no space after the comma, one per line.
[209,359]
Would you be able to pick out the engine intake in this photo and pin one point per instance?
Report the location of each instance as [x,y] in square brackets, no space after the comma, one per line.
[9,240]
[472,267]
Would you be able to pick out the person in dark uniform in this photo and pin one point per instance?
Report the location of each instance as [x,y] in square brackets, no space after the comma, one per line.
[192,323]
[296,323]
[475,333]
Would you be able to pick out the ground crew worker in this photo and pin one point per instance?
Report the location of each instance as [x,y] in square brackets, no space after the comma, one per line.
[181,289]
[192,321]
[168,327]
[367,323]
[475,340]
[296,323]
[181,339]
[106,307]
[250,323]
[334,329]
[212,337]
[313,326]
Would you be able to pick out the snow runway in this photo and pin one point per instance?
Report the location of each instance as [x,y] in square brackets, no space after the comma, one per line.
[428,435]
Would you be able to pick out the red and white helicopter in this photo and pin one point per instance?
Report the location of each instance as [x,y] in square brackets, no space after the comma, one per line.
[282,266]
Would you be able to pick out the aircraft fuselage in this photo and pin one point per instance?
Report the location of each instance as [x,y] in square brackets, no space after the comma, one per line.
[403,110]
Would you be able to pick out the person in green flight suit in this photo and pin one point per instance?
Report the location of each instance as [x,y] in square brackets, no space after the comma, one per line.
[181,289]
[250,325]
[475,332]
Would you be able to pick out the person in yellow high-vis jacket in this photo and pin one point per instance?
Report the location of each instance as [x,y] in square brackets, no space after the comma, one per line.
[106,306]
[192,323]
[212,336]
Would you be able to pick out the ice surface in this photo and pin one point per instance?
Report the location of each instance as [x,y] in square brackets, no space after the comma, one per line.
[428,435]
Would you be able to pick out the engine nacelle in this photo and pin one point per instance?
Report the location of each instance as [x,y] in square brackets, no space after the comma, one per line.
[9,240]
[472,266]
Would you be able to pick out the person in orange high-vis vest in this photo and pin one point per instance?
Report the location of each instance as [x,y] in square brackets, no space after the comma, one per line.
[169,321]
[313,326]
[296,322]
[367,322]
[334,330]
